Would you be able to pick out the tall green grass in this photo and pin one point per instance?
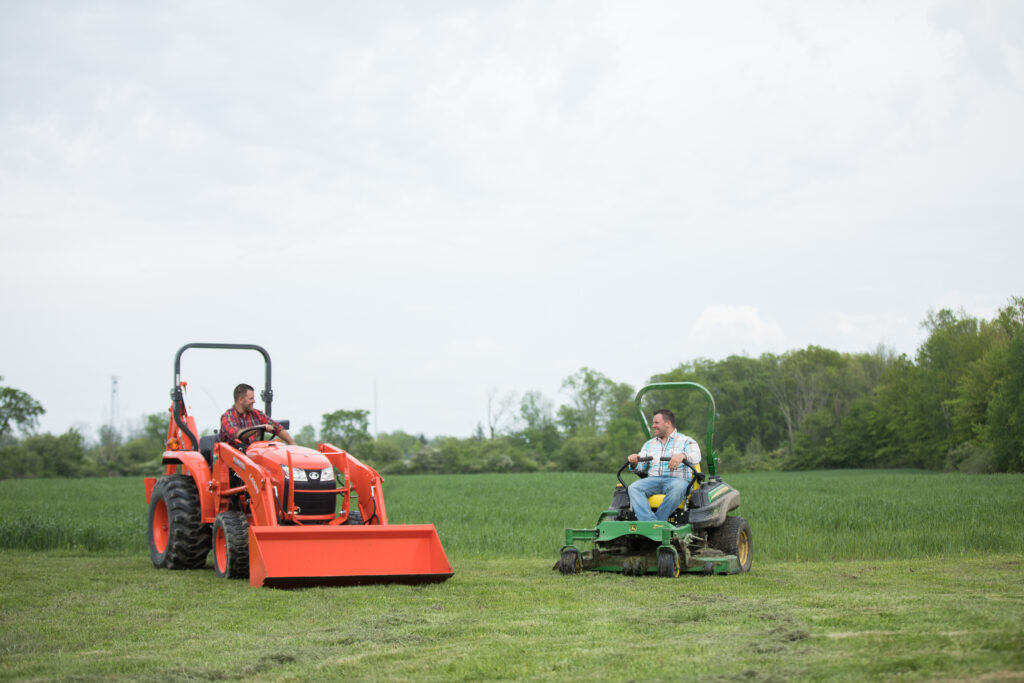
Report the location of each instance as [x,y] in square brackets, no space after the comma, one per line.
[855,514]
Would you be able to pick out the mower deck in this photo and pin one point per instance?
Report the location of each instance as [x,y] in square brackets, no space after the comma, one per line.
[633,548]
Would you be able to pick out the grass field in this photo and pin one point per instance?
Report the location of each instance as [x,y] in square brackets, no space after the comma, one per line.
[857,575]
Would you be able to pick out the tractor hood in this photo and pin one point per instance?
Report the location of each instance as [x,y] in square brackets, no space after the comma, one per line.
[276,453]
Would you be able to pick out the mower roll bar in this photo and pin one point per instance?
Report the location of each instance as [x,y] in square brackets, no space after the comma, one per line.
[178,397]
[712,455]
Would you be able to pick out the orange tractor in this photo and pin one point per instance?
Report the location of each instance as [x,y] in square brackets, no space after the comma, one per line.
[285,516]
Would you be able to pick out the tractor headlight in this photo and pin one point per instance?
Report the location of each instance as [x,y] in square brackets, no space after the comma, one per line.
[327,474]
[300,475]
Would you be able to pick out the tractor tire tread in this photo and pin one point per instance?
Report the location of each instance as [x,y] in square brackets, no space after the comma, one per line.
[354,517]
[189,540]
[236,535]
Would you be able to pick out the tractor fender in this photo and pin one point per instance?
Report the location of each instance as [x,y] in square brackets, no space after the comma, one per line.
[713,515]
[194,465]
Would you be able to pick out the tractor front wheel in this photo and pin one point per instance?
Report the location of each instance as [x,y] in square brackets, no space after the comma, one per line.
[668,564]
[354,517]
[178,539]
[231,545]
[733,538]
[570,562]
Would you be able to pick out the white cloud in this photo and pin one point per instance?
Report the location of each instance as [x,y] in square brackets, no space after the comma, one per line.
[463,194]
[734,329]
[866,331]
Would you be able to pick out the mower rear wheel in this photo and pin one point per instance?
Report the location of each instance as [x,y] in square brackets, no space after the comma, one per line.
[733,538]
[178,539]
[231,545]
[570,562]
[668,564]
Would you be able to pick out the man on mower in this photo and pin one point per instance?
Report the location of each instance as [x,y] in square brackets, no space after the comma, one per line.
[670,478]
[243,415]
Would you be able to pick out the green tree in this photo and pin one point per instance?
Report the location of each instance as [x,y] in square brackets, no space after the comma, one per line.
[954,343]
[306,437]
[104,453]
[748,421]
[346,429]
[499,409]
[585,453]
[43,455]
[17,409]
[586,412]
[538,433]
[1005,414]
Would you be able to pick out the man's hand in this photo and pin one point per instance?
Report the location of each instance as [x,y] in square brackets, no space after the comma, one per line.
[632,459]
[676,460]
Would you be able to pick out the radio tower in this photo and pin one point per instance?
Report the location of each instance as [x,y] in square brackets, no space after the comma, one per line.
[115,411]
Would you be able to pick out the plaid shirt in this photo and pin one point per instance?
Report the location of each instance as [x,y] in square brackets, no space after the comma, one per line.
[232,422]
[675,444]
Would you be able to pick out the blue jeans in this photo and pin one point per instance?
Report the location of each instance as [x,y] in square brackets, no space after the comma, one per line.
[640,490]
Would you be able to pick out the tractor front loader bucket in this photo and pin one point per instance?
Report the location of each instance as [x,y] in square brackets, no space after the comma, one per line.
[329,555]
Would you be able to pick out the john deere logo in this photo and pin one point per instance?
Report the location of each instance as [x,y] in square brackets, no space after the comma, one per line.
[632,527]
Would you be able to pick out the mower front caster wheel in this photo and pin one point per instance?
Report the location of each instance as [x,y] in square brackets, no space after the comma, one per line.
[570,562]
[668,564]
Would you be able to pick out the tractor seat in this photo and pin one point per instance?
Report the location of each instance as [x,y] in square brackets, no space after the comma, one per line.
[206,446]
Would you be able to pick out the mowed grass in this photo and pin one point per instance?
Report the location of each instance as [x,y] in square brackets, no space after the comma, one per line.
[853,514]
[857,575]
[66,615]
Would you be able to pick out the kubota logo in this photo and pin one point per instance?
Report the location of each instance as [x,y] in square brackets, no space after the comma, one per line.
[314,475]
[240,464]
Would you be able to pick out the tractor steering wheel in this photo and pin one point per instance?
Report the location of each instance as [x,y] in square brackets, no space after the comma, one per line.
[246,430]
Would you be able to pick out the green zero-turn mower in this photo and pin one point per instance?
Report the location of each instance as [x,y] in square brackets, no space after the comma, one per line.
[700,536]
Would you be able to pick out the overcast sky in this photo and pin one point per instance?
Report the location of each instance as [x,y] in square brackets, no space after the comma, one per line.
[445,198]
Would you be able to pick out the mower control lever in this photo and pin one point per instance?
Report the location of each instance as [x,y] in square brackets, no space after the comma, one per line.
[700,476]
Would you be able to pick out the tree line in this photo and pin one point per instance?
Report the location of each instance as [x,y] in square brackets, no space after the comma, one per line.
[956,405]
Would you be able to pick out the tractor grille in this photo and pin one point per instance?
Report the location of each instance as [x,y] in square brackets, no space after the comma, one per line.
[315,498]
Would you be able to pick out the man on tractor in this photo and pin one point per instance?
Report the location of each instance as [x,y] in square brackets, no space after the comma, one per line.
[670,478]
[242,415]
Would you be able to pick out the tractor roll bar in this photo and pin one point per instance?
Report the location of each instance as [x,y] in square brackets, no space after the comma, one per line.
[712,456]
[179,399]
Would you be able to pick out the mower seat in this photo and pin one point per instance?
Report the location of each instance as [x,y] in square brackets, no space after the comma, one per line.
[655,500]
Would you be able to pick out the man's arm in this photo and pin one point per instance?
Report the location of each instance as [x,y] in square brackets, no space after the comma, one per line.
[228,427]
[277,430]
[690,451]
[634,459]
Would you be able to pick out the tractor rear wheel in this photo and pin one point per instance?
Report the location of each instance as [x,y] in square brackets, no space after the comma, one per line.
[570,562]
[733,538]
[178,539]
[668,564]
[231,545]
